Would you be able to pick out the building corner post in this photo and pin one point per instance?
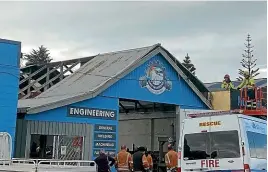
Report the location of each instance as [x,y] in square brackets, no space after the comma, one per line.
[178,123]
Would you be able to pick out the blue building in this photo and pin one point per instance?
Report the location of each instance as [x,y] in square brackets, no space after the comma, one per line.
[125,97]
[9,74]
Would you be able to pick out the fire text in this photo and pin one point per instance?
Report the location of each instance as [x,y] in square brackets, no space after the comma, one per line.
[210,163]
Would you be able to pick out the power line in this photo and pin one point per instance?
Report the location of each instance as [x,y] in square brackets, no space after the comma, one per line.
[16,76]
[110,77]
[123,78]
[88,92]
[11,66]
[58,95]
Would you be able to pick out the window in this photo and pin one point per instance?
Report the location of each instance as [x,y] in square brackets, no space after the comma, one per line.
[56,147]
[222,144]
[257,145]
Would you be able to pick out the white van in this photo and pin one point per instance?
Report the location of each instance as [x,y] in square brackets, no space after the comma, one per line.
[231,142]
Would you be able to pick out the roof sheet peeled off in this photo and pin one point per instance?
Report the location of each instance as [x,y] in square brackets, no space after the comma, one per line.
[94,74]
[97,75]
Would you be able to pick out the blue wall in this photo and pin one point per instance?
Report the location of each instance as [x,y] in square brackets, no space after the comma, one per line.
[130,87]
[9,86]
[180,93]
[60,115]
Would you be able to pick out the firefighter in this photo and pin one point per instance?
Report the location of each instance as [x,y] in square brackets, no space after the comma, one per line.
[123,160]
[171,159]
[140,163]
[249,83]
[150,160]
[227,83]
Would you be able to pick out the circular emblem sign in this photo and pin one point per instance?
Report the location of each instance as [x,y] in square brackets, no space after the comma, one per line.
[155,79]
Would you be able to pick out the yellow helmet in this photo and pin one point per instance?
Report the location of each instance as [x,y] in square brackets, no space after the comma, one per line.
[246,73]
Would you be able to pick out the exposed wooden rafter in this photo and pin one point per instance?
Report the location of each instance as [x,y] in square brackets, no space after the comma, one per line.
[36,79]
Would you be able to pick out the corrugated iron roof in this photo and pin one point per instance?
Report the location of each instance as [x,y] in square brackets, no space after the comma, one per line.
[216,86]
[91,79]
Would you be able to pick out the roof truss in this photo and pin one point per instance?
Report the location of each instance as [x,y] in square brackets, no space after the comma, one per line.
[47,75]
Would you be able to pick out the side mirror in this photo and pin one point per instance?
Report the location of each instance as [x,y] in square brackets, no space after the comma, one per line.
[214,154]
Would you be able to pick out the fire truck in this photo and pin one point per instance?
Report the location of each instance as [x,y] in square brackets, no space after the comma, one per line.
[256,108]
[226,140]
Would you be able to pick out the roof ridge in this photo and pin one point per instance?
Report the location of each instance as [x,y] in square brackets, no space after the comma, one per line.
[106,53]
[129,50]
[84,66]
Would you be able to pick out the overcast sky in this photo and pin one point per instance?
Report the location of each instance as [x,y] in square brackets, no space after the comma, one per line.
[212,33]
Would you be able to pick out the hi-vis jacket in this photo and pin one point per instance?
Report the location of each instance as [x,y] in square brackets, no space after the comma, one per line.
[140,162]
[249,83]
[171,159]
[227,85]
[123,160]
[150,161]
[145,162]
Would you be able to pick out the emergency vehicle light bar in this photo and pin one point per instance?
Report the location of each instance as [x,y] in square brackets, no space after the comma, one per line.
[196,115]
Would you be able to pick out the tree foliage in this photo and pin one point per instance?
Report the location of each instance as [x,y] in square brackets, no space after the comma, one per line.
[38,56]
[188,64]
[248,62]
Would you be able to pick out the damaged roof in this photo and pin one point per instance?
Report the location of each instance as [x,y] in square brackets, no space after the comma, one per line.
[99,74]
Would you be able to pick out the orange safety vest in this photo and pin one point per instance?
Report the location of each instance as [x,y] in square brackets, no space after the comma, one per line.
[123,160]
[171,159]
[150,161]
[145,161]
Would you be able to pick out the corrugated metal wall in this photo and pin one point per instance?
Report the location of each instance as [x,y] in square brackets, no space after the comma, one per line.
[135,132]
[20,139]
[144,129]
[57,128]
[51,128]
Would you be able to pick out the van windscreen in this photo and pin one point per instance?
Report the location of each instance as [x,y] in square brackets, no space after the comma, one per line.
[211,145]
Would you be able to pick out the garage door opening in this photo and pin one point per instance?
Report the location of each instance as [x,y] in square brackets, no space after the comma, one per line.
[147,124]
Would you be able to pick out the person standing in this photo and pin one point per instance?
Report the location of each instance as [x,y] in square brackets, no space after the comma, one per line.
[249,83]
[171,159]
[123,160]
[140,163]
[150,160]
[227,83]
[104,162]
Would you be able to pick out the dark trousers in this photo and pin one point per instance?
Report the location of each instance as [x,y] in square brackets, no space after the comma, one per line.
[251,94]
